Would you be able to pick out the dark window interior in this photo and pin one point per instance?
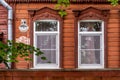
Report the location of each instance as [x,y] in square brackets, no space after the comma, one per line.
[1,36]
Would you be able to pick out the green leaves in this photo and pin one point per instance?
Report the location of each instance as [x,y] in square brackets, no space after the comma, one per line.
[10,51]
[43,58]
[62,13]
[64,2]
[114,2]
[61,7]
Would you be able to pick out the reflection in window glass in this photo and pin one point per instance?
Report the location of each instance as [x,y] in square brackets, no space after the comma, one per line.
[46,41]
[90,42]
[90,26]
[47,44]
[90,49]
[46,26]
[46,38]
[50,55]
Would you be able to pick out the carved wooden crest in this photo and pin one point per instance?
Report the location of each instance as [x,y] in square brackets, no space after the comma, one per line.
[44,13]
[91,13]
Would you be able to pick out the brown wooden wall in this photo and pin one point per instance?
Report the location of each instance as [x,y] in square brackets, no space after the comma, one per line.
[59,74]
[113,31]
[3,22]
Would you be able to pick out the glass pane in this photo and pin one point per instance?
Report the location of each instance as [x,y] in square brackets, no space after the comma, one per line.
[90,26]
[90,42]
[46,41]
[50,55]
[46,26]
[90,57]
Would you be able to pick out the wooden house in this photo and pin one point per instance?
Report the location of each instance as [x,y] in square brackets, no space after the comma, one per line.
[84,45]
[3,23]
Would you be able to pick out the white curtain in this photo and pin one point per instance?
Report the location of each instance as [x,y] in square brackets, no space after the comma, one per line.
[89,50]
[47,43]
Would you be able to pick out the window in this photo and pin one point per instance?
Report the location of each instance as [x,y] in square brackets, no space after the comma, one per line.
[46,33]
[91,38]
[46,37]
[91,44]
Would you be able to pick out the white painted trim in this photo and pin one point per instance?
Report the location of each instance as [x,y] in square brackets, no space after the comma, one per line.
[99,33]
[57,33]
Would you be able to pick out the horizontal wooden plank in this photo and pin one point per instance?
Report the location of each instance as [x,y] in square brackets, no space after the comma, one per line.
[69,53]
[110,78]
[113,53]
[22,16]
[113,25]
[3,27]
[69,62]
[112,63]
[113,66]
[68,44]
[114,20]
[3,20]
[68,30]
[4,31]
[113,43]
[69,15]
[21,11]
[68,49]
[65,39]
[69,67]
[69,58]
[34,6]
[113,58]
[114,35]
[22,78]
[113,30]
[68,35]
[117,40]
[113,49]
[114,11]
[22,64]
[69,25]
[67,21]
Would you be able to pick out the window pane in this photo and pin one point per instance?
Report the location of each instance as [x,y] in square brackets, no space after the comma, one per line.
[46,26]
[90,26]
[50,55]
[46,41]
[90,56]
[90,42]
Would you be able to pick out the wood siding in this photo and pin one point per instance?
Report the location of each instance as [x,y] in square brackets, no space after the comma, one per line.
[113,31]
[3,22]
[59,74]
[56,0]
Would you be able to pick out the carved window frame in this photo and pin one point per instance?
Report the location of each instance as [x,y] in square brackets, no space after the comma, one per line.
[91,13]
[46,13]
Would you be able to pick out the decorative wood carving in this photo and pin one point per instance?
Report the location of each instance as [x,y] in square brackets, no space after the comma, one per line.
[76,13]
[42,14]
[31,12]
[105,13]
[90,13]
